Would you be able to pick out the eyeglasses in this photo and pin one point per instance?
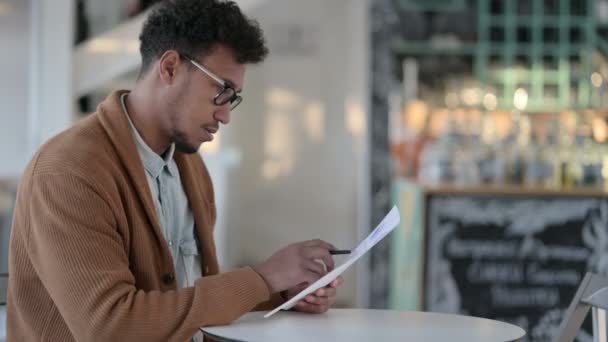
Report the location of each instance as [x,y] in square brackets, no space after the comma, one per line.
[227,95]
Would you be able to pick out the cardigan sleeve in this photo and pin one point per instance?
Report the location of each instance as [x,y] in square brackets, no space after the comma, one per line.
[276,299]
[78,254]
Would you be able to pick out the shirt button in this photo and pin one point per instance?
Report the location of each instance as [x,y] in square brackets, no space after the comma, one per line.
[168,279]
[170,243]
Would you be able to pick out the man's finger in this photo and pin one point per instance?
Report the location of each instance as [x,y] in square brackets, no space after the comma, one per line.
[305,307]
[315,267]
[309,276]
[318,243]
[315,253]
[317,300]
[326,292]
[310,308]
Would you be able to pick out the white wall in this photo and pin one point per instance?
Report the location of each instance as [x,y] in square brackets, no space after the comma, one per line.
[51,97]
[35,87]
[104,15]
[15,38]
[35,90]
[301,132]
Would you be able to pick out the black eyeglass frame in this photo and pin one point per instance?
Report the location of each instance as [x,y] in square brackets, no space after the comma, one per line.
[227,94]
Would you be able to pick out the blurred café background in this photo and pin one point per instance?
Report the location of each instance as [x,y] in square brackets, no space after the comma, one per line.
[483,121]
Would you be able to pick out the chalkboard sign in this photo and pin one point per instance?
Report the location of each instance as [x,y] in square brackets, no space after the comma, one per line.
[516,259]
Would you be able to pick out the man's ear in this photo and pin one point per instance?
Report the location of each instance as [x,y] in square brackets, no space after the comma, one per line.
[168,66]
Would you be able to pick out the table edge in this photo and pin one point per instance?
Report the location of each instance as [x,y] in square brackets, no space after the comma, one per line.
[520,339]
[217,337]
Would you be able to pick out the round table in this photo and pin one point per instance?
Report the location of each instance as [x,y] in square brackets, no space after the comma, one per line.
[364,325]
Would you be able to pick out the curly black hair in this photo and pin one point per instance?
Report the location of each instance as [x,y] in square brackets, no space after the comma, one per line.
[193,27]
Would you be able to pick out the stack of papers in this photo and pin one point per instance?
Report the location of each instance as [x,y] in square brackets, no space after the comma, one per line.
[390,221]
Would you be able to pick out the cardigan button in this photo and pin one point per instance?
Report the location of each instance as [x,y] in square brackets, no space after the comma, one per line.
[168,279]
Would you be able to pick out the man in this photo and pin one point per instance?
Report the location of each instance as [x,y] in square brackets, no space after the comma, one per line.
[112,234]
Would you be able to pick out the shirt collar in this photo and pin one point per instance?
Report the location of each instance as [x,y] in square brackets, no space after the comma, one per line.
[153,163]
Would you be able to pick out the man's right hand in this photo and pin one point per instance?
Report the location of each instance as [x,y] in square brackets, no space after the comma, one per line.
[296,264]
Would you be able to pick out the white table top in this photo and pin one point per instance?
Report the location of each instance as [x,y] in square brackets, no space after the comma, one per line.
[364,325]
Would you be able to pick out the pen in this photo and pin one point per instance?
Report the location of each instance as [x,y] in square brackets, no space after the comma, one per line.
[339,251]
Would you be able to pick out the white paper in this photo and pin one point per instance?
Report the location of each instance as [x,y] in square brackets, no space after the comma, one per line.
[390,221]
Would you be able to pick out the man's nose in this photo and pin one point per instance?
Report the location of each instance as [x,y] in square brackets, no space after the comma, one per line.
[223,114]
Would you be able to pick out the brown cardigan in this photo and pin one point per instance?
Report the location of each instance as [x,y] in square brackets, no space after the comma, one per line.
[88,260]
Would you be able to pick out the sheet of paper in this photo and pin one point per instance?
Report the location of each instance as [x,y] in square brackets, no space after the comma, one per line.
[390,221]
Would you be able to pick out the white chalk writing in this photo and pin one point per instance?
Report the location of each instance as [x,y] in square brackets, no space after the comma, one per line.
[524,297]
[489,272]
[536,275]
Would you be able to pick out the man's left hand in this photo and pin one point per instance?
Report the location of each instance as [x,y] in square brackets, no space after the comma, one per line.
[318,302]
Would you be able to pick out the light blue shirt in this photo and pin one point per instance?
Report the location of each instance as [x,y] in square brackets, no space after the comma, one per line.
[172,208]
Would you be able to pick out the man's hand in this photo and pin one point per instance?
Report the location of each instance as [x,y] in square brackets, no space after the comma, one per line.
[318,302]
[296,264]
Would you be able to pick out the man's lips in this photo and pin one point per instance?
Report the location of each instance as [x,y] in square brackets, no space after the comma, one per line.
[210,131]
